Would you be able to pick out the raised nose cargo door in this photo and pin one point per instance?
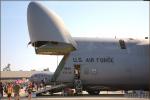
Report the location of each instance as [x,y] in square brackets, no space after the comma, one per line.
[47,32]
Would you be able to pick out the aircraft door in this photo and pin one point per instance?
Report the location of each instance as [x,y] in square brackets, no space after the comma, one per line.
[77,71]
[77,81]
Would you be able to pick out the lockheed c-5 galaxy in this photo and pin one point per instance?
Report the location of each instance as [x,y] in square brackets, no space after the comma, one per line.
[90,64]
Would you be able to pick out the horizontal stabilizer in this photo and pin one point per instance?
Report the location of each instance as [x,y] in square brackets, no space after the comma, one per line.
[47,31]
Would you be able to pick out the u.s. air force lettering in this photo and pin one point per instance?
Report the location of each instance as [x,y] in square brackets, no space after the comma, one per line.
[92,59]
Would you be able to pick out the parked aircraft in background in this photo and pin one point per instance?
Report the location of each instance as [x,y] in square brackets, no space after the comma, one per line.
[42,76]
[90,64]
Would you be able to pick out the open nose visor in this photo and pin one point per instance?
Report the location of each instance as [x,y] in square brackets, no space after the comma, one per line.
[52,48]
[47,32]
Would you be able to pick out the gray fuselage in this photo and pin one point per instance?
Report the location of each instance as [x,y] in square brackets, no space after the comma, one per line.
[104,63]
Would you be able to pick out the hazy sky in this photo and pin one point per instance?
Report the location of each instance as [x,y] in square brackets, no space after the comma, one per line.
[83,18]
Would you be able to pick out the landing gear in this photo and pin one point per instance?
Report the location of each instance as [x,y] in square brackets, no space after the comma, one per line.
[78,86]
[94,92]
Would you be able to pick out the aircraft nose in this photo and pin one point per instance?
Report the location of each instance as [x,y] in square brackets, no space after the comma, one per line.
[44,24]
[47,29]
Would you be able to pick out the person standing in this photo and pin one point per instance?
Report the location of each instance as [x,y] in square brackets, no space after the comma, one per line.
[1,89]
[29,89]
[9,91]
[44,83]
[16,90]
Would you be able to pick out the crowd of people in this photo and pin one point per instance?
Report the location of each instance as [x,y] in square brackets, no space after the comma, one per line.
[13,89]
[10,88]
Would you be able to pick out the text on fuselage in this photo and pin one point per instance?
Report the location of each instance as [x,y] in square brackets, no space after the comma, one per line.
[92,59]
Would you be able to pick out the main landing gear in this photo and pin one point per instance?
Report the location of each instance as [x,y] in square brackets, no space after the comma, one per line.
[93,92]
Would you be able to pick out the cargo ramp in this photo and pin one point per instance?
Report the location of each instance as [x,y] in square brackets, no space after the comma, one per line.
[53,89]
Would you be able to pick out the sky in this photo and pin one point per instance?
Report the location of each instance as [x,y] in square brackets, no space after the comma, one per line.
[83,19]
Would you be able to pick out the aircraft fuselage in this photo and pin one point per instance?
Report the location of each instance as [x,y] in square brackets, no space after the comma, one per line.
[104,63]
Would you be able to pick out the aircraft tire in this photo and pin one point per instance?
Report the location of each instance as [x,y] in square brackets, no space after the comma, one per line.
[94,92]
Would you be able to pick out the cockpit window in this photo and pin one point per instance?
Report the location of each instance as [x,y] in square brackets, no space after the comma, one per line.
[122,44]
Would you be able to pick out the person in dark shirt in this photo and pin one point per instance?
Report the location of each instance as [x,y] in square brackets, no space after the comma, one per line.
[1,89]
[30,88]
[16,90]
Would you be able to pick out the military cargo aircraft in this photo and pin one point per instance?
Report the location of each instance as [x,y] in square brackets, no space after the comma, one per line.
[90,64]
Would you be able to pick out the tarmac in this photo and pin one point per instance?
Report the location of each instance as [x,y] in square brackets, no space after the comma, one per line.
[80,98]
[83,97]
